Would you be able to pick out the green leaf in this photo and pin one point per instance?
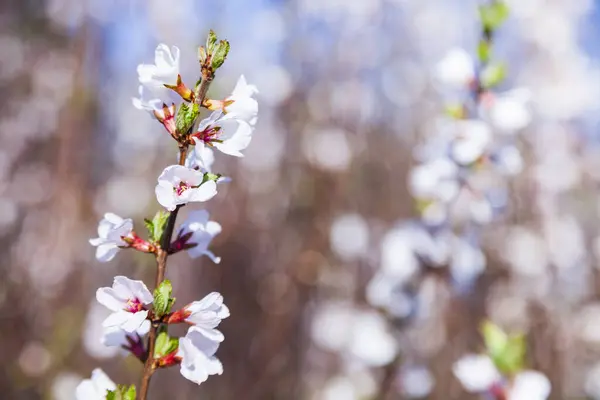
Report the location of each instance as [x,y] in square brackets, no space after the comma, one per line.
[422,204]
[159,222]
[170,303]
[512,358]
[161,345]
[493,15]
[493,75]
[159,304]
[156,226]
[484,51]
[123,392]
[165,345]
[494,338]
[173,345]
[211,177]
[186,115]
[130,394]
[150,227]
[507,352]
[162,298]
[211,41]
[456,111]
[220,54]
[165,288]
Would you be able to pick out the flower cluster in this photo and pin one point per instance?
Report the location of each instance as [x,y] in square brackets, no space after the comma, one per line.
[136,312]
[461,176]
[460,183]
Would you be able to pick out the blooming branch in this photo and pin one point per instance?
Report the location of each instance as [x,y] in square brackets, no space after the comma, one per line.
[137,312]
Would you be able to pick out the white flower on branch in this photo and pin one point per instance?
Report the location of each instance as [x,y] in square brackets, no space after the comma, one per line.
[196,233]
[241,105]
[95,388]
[127,341]
[111,231]
[435,180]
[477,373]
[165,69]
[207,314]
[456,69]
[197,354]
[529,385]
[178,184]
[126,299]
[509,112]
[142,103]
[472,139]
[117,337]
[201,157]
[226,133]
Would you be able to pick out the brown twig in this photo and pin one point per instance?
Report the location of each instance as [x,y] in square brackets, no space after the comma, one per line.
[163,252]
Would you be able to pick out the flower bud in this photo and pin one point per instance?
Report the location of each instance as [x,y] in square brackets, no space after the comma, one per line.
[181,89]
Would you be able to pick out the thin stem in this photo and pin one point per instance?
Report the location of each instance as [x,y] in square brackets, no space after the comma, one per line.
[161,269]
[200,94]
[148,365]
[163,252]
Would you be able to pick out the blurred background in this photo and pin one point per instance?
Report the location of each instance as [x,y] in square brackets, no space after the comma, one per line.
[320,204]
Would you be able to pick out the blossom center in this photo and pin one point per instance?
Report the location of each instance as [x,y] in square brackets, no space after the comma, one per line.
[133,305]
[209,134]
[182,188]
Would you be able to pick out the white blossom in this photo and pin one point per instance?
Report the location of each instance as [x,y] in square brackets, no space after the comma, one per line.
[398,258]
[416,382]
[371,340]
[178,184]
[111,231]
[201,157]
[202,233]
[226,133]
[436,179]
[349,236]
[207,314]
[95,388]
[165,69]
[529,385]
[472,139]
[363,334]
[241,105]
[477,373]
[509,111]
[126,299]
[197,353]
[117,337]
[456,68]
[468,261]
[150,105]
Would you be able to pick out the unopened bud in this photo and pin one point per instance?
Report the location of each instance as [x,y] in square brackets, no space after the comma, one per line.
[166,116]
[181,89]
[220,54]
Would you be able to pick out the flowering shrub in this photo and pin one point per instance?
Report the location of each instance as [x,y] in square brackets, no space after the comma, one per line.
[140,318]
[460,183]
